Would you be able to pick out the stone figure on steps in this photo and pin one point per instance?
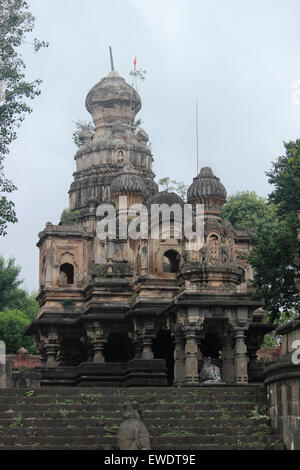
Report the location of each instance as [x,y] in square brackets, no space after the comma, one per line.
[133,434]
[209,372]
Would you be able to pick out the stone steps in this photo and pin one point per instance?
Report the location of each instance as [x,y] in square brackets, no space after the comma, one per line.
[199,447]
[186,418]
[233,423]
[112,440]
[151,407]
[110,428]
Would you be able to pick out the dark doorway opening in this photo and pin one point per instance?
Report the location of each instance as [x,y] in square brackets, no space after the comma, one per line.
[211,346]
[67,273]
[118,348]
[163,348]
[171,261]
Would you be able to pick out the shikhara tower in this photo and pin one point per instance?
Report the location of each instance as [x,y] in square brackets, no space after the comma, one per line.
[140,312]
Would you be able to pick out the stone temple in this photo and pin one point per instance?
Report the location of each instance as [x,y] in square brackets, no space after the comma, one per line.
[137,312]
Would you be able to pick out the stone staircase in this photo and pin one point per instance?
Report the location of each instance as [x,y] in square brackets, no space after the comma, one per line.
[187,418]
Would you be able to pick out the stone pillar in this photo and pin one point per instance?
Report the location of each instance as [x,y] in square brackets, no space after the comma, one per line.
[144,331]
[63,357]
[179,358]
[252,357]
[42,354]
[109,257]
[137,344]
[97,338]
[240,357]
[51,349]
[191,355]
[227,360]
[147,340]
[144,258]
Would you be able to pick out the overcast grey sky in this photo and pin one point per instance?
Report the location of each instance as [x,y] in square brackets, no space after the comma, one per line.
[239,57]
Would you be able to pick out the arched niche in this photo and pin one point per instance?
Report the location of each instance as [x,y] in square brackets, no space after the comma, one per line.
[171,259]
[66,273]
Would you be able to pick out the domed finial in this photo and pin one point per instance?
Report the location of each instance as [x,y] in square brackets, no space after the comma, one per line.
[207,189]
[112,100]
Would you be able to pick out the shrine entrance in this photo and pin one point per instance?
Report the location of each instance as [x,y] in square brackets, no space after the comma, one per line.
[163,348]
[118,348]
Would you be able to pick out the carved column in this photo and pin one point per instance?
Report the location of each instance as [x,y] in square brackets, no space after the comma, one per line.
[109,258]
[137,344]
[63,356]
[42,353]
[240,357]
[179,358]
[144,258]
[147,344]
[191,355]
[40,347]
[144,330]
[227,360]
[97,338]
[51,347]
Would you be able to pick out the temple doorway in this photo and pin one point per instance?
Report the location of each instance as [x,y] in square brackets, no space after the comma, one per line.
[163,348]
[118,348]
[211,346]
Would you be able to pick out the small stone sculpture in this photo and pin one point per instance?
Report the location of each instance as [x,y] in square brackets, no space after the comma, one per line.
[133,434]
[209,372]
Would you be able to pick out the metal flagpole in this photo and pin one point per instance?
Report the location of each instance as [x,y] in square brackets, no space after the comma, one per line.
[111,59]
[197,147]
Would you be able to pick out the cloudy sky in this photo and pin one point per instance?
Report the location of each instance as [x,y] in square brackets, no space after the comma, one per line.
[240,58]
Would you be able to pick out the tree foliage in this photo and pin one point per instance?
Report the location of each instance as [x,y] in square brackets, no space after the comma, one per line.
[285,176]
[81,126]
[11,296]
[178,187]
[272,258]
[275,240]
[69,217]
[16,22]
[247,211]
[12,325]
[17,307]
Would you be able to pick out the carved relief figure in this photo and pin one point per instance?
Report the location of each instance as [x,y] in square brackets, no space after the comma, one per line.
[213,247]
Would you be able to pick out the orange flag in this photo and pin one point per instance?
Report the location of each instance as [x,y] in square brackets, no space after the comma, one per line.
[134,65]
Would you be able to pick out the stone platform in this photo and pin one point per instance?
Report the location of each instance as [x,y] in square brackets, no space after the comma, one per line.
[135,373]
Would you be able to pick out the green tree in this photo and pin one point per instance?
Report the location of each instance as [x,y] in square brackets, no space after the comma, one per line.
[29,306]
[12,325]
[272,258]
[277,243]
[247,211]
[81,126]
[275,236]
[16,22]
[12,296]
[69,217]
[285,176]
[178,187]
